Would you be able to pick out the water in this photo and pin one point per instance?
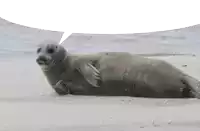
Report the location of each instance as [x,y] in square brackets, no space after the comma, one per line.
[28,102]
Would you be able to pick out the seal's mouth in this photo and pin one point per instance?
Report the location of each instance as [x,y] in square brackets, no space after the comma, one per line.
[42,60]
[45,62]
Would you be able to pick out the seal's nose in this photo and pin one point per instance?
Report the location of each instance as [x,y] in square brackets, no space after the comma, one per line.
[41,60]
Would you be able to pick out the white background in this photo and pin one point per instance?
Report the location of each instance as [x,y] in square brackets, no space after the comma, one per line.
[108,23]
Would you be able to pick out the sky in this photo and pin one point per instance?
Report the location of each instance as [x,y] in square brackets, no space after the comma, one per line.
[82,24]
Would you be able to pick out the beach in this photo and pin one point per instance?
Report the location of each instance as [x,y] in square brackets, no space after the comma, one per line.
[28,102]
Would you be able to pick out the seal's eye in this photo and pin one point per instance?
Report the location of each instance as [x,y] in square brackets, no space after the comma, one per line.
[50,50]
[38,50]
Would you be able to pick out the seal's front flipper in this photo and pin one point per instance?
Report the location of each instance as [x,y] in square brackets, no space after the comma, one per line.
[91,74]
[193,84]
[61,88]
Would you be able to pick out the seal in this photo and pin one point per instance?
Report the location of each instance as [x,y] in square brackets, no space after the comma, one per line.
[113,73]
[67,73]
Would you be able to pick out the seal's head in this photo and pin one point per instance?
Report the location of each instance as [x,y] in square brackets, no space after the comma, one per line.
[49,53]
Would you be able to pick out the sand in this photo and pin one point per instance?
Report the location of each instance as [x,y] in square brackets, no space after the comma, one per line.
[35,107]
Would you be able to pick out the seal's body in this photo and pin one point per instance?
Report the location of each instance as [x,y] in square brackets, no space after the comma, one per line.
[145,77]
[112,73]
